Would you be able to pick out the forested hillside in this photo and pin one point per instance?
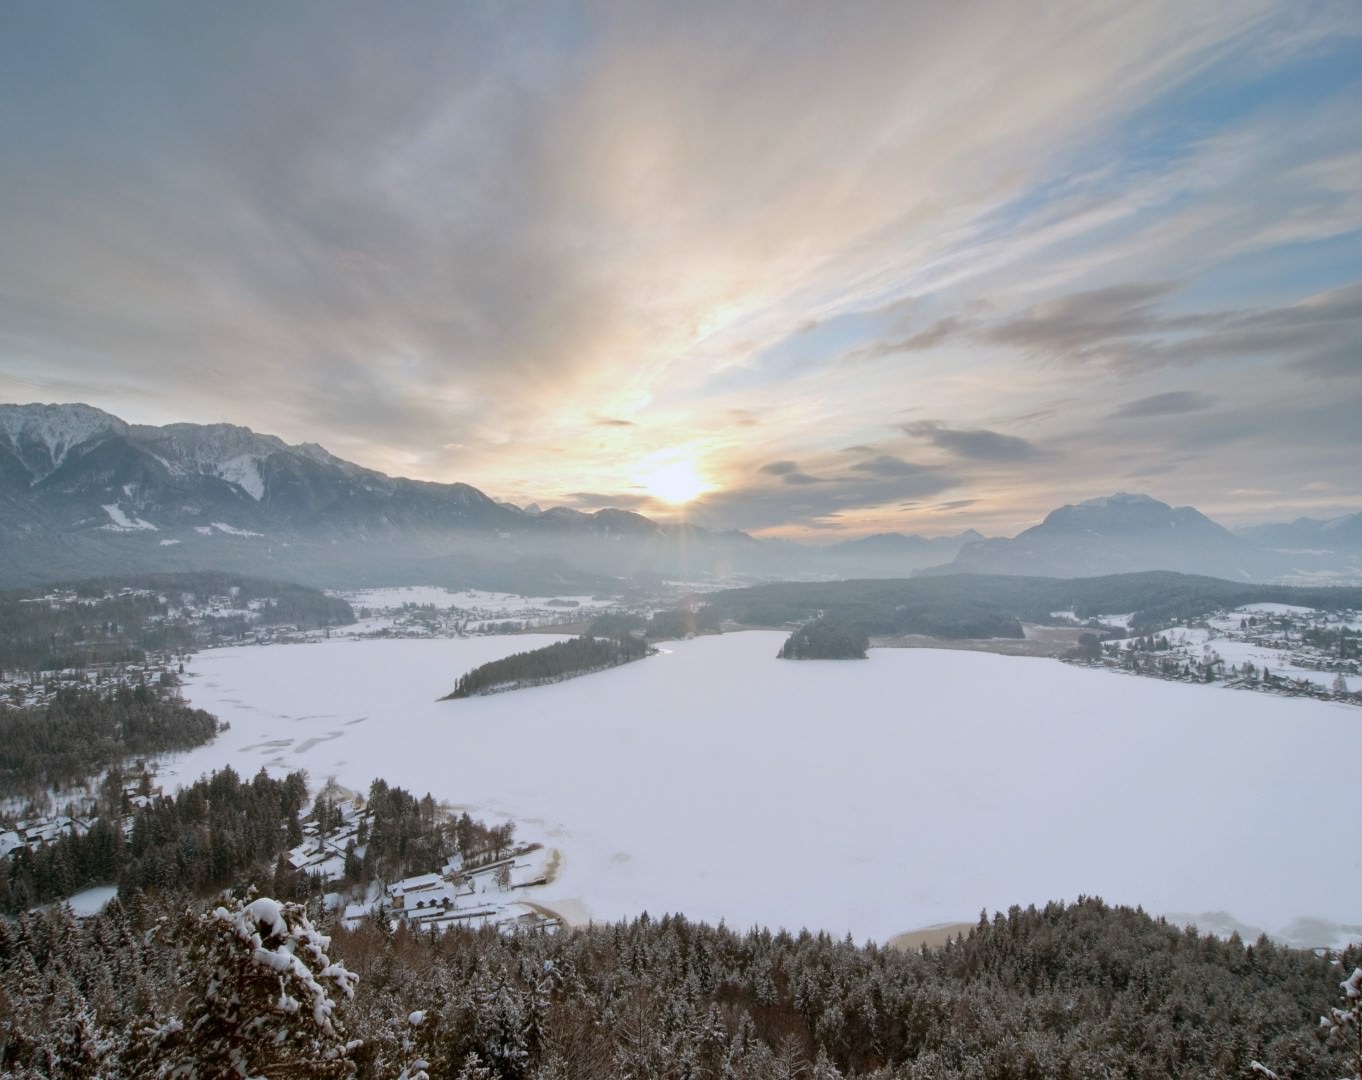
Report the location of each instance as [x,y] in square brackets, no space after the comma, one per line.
[203,837]
[983,606]
[111,620]
[79,734]
[1082,990]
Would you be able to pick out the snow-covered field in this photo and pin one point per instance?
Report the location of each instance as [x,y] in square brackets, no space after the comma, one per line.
[907,790]
[446,599]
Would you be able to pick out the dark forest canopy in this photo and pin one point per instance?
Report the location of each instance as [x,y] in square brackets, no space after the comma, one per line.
[1078,990]
[553,663]
[677,623]
[992,605]
[202,837]
[122,618]
[826,638]
[80,733]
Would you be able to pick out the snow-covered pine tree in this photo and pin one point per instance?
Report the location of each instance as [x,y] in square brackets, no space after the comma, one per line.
[1346,1023]
[261,1000]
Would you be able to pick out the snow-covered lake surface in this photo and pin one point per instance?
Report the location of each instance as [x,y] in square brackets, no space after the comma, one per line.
[911,789]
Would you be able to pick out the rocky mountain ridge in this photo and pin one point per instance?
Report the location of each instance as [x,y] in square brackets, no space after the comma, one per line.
[82,492]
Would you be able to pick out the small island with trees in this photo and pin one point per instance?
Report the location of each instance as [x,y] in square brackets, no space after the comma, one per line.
[553,663]
[826,638]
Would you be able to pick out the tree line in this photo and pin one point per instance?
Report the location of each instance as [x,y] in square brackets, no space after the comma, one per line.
[968,606]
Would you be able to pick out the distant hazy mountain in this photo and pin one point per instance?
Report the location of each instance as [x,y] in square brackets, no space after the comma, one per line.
[1340,534]
[1116,534]
[893,554]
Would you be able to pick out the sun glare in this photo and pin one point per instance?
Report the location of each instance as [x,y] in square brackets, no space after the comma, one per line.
[676,482]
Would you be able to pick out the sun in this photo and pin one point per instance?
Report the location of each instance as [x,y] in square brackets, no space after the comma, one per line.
[675,482]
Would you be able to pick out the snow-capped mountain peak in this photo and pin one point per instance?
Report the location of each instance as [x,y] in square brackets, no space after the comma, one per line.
[42,436]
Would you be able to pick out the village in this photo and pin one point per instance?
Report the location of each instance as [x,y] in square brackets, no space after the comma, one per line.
[1274,648]
[213,621]
[432,612]
[35,831]
[490,888]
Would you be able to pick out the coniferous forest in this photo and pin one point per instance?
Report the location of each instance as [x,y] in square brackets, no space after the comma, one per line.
[1081,990]
[826,638]
[80,733]
[201,838]
[553,663]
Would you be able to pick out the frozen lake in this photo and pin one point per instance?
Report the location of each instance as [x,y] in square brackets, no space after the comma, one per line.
[914,788]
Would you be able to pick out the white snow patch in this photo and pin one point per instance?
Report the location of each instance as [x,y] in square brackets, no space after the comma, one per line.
[169,543]
[123,523]
[910,789]
[231,530]
[244,471]
[1277,609]
[91,901]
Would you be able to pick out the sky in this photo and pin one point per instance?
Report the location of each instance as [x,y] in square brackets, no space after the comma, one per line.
[853,267]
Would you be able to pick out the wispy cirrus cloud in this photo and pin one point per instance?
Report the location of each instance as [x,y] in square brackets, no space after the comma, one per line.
[979,445]
[1170,403]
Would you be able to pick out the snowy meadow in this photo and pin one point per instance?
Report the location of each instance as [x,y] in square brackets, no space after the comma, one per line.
[907,790]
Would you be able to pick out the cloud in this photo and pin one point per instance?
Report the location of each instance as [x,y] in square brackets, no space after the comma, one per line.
[1332,363]
[593,500]
[938,333]
[888,465]
[789,473]
[456,228]
[1160,469]
[954,504]
[767,504]
[1122,328]
[979,445]
[1173,402]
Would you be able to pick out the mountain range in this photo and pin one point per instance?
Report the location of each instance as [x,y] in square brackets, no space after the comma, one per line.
[83,493]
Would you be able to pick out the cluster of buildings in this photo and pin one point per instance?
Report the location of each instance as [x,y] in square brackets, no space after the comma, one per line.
[493,893]
[38,830]
[489,894]
[1278,648]
[26,689]
[437,613]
